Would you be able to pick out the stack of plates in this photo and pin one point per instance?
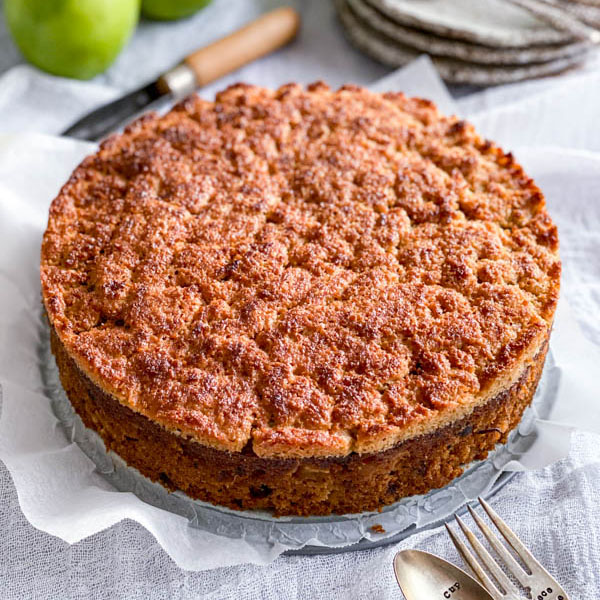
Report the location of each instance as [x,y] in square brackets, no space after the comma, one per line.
[482,42]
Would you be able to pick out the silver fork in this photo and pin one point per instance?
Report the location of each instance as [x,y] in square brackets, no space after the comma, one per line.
[539,584]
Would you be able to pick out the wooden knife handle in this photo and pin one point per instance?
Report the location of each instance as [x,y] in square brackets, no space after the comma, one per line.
[265,34]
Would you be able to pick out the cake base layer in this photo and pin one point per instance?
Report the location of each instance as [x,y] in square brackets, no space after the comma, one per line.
[307,486]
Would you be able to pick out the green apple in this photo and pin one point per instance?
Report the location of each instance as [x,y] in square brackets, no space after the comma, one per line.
[71,38]
[166,10]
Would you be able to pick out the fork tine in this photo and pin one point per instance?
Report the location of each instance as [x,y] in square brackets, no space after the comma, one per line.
[475,567]
[486,558]
[528,559]
[513,566]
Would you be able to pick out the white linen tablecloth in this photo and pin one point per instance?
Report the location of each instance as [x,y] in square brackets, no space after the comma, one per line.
[554,510]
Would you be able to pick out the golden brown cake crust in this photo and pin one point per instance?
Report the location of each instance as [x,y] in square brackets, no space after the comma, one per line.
[298,486]
[301,272]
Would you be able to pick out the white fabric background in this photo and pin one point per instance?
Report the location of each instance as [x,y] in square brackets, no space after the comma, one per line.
[554,510]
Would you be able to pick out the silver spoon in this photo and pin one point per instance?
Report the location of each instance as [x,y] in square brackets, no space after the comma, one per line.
[424,576]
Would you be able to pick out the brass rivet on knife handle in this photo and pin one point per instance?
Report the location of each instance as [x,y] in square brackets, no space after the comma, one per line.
[264,35]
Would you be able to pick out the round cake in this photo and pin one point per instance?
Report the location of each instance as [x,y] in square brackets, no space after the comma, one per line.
[303,300]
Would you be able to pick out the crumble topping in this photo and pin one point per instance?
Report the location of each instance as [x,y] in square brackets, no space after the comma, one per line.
[305,271]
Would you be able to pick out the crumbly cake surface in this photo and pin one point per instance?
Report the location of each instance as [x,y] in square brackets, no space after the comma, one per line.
[300,272]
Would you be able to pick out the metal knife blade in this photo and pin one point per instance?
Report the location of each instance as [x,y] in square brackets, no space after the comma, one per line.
[258,38]
[107,118]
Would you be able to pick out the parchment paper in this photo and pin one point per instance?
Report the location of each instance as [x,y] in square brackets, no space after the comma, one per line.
[63,493]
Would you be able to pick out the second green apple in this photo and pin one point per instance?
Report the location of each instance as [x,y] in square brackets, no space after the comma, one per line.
[171,9]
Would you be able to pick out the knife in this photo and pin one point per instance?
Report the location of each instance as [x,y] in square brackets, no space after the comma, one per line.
[260,37]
